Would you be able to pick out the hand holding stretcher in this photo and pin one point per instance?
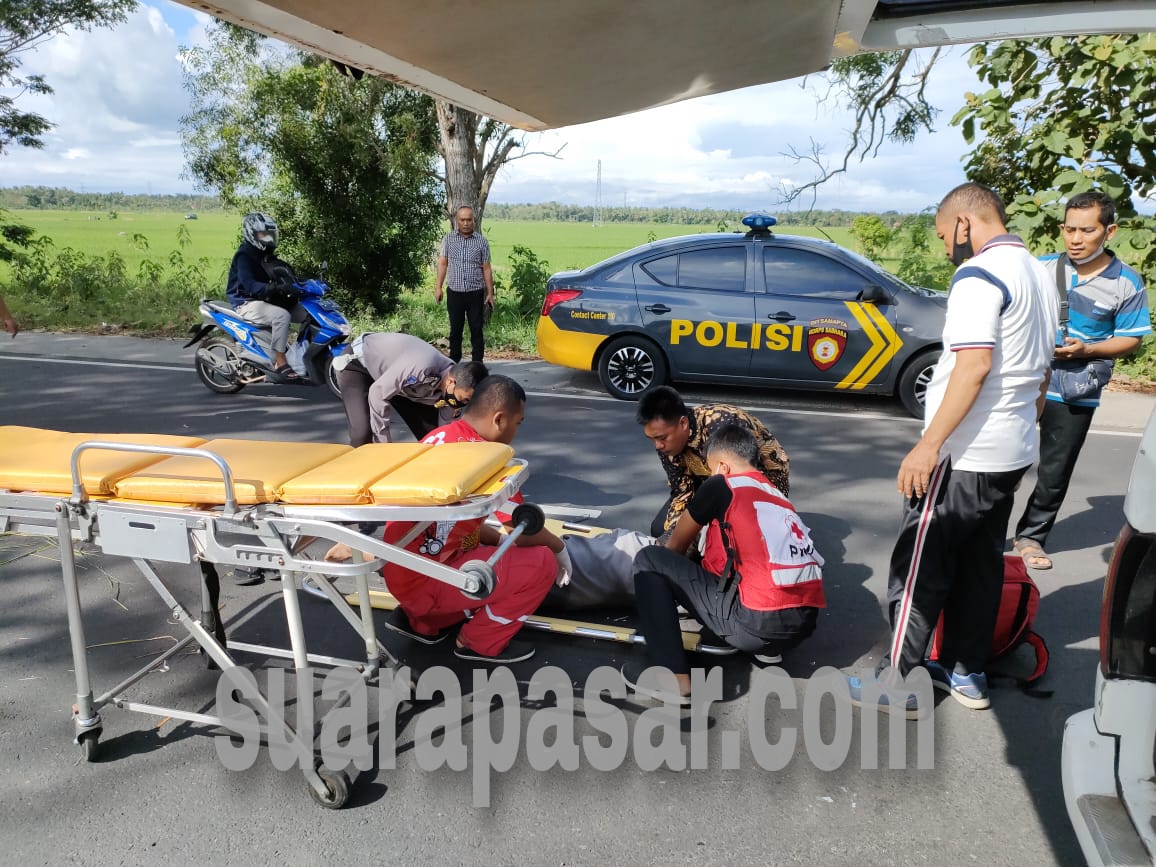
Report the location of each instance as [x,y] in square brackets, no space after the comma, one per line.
[248,503]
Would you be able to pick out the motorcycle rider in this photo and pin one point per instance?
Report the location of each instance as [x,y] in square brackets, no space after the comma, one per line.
[261,289]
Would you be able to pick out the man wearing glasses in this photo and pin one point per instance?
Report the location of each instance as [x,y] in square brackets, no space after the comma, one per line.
[1107,317]
[385,370]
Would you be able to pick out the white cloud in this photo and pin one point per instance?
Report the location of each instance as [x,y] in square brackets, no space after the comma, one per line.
[119,97]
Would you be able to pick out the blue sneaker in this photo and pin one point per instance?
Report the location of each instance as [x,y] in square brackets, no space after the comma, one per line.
[911,709]
[970,690]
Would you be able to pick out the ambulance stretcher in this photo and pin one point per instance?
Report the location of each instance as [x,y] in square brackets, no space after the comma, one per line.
[229,502]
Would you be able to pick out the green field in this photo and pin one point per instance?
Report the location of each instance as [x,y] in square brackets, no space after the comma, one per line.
[215,236]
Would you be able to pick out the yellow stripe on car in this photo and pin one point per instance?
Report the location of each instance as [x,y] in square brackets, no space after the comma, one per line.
[885,342]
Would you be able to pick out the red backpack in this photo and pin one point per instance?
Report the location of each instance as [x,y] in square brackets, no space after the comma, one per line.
[1013,626]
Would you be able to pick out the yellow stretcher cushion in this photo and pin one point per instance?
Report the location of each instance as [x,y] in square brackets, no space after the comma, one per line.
[445,474]
[346,480]
[32,459]
[259,469]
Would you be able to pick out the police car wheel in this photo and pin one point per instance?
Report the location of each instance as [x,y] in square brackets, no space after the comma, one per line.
[631,366]
[913,382]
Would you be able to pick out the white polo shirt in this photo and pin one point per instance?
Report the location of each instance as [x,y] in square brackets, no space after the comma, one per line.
[1001,299]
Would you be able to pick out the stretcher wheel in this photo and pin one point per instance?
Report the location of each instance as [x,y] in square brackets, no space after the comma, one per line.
[483,575]
[531,517]
[89,745]
[338,784]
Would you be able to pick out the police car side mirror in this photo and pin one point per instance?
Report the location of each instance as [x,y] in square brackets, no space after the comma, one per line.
[875,294]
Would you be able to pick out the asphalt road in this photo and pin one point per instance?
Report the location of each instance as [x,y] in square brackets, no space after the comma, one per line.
[159,792]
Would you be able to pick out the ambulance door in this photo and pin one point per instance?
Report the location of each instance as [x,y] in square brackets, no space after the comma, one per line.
[697,305]
[823,322]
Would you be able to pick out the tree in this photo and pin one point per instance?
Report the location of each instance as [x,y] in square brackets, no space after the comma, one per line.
[872,234]
[345,165]
[25,25]
[1062,115]
[1065,115]
[473,149]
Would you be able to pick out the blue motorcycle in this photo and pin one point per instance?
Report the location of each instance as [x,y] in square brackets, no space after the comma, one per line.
[235,353]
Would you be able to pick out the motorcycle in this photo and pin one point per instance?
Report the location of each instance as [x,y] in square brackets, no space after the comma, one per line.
[239,353]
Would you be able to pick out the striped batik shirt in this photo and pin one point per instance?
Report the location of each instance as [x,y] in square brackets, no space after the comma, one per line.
[465,255]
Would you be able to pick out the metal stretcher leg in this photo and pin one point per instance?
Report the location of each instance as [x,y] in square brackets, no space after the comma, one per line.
[86,720]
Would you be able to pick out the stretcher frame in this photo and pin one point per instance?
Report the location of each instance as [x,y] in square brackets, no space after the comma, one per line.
[266,535]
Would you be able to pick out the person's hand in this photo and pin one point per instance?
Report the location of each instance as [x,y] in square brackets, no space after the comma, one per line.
[915,471]
[437,295]
[1072,348]
[339,553]
[490,298]
[11,326]
[565,568]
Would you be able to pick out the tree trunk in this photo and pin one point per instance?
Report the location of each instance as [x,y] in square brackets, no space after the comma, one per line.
[465,139]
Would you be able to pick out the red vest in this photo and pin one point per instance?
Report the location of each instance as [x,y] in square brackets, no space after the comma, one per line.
[774,554]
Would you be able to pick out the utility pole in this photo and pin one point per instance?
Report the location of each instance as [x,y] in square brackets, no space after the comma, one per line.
[598,197]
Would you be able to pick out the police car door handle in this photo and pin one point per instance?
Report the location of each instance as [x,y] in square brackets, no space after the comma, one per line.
[657,308]
[781,316]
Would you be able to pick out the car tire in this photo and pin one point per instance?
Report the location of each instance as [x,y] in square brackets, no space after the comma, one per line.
[631,366]
[912,389]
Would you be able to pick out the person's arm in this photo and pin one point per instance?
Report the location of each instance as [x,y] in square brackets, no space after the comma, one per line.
[1113,347]
[253,283]
[681,489]
[971,369]
[384,388]
[488,277]
[684,533]
[10,324]
[443,267]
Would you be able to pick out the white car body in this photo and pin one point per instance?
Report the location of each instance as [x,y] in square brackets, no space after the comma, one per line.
[1109,750]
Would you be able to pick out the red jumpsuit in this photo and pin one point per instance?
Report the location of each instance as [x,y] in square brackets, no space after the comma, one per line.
[524,575]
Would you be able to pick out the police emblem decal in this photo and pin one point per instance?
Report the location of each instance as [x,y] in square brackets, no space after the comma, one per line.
[826,340]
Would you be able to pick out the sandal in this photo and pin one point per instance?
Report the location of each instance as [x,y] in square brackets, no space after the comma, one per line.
[287,373]
[1034,555]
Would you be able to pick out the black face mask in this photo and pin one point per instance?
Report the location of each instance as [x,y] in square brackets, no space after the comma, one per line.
[960,252]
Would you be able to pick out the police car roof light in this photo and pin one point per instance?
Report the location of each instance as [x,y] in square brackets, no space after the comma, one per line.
[759,224]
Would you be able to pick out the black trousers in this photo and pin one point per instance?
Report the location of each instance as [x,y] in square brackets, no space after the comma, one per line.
[1063,429]
[949,558]
[664,579]
[354,382]
[463,307]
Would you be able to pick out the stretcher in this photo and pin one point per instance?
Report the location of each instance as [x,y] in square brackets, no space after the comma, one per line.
[242,503]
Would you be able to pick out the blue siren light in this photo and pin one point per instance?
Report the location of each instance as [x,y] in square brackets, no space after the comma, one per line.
[759,221]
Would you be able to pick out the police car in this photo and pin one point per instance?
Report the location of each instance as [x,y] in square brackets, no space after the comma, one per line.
[746,309]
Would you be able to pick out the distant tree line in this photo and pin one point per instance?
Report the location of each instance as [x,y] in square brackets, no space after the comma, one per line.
[61,199]
[558,212]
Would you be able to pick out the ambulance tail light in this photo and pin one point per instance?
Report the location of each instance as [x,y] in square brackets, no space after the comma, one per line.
[554,297]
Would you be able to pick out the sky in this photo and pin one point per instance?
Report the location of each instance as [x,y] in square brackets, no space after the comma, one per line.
[119,97]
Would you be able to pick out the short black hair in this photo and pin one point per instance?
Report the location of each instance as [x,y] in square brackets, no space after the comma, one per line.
[663,403]
[736,439]
[468,374]
[496,393]
[1092,199]
[976,198]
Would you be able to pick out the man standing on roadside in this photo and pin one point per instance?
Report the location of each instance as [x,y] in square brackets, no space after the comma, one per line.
[1107,317]
[979,438]
[464,269]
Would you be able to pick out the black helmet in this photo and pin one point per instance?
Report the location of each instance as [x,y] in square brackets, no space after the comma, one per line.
[260,231]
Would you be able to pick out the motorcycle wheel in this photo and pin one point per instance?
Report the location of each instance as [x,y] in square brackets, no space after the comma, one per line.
[331,377]
[219,349]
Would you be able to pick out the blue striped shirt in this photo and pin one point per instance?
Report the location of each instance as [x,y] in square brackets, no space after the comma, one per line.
[1112,303]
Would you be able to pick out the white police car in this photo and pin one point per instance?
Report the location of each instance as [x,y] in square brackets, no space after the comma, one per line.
[744,309]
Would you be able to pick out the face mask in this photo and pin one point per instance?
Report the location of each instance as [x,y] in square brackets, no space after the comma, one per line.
[960,252]
[1087,259]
